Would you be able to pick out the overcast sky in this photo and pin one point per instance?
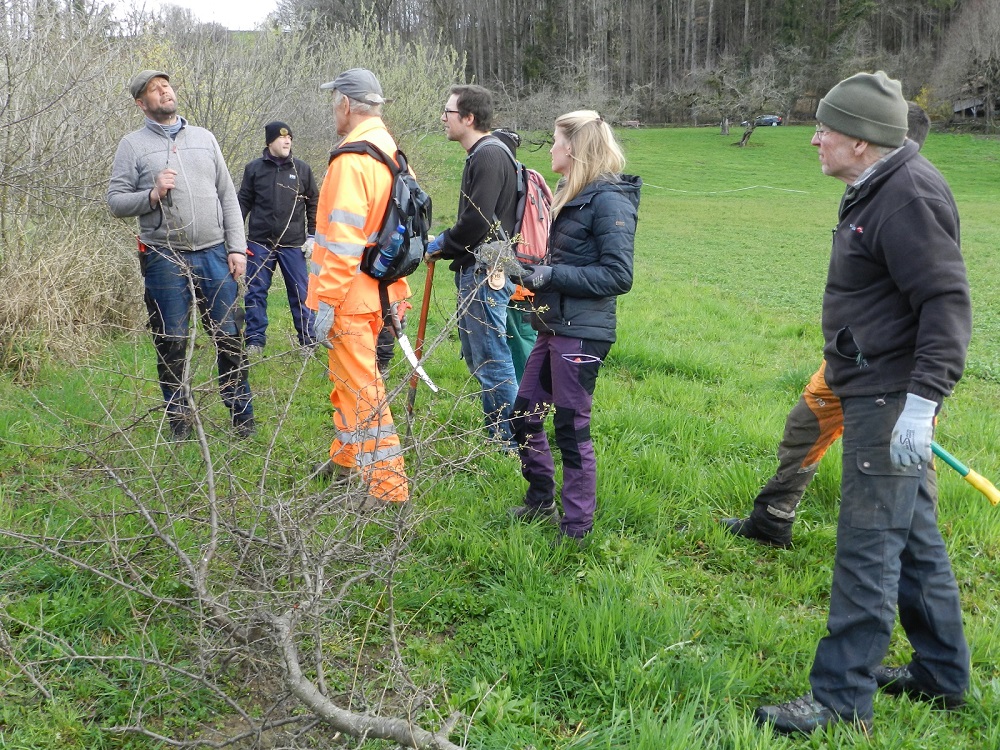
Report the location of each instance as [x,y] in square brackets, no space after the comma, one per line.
[233,14]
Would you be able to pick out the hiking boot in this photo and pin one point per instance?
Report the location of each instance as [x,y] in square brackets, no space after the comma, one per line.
[244,427]
[527,512]
[803,716]
[746,528]
[180,429]
[333,471]
[579,542]
[900,681]
[373,505]
[254,351]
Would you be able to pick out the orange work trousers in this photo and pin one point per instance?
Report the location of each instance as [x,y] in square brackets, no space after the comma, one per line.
[366,437]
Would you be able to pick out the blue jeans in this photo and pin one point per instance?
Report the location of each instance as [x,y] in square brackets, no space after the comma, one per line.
[482,330]
[261,262]
[169,302]
[560,372]
[889,553]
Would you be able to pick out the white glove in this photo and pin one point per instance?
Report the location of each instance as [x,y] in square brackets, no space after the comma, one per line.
[914,430]
[324,324]
[307,249]
[398,312]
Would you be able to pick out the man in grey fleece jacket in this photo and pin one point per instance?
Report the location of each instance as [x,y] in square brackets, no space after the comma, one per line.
[173,177]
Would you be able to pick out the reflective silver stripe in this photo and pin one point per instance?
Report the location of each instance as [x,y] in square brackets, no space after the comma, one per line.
[373,237]
[784,515]
[351,219]
[350,249]
[314,267]
[380,454]
[360,435]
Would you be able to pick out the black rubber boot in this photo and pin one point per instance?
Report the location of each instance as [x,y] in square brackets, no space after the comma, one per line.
[747,528]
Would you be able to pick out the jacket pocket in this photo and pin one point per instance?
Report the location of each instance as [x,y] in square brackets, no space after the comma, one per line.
[848,347]
[879,495]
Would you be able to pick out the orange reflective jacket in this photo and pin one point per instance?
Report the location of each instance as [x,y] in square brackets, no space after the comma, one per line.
[352,205]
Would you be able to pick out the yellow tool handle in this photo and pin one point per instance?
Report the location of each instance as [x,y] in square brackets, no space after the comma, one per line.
[984,485]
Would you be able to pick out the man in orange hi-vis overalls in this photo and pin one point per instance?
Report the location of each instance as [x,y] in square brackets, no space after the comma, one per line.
[352,205]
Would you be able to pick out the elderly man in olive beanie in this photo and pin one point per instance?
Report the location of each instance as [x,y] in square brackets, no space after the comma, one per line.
[896,323]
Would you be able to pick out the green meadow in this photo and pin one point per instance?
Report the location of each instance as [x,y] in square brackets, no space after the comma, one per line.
[665,632]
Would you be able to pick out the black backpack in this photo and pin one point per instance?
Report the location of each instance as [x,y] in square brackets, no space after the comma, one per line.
[409,207]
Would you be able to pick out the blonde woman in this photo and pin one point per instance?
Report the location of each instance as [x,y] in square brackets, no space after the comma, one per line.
[590,263]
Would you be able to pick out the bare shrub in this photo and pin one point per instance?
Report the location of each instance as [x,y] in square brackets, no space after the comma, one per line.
[245,585]
[69,268]
[573,87]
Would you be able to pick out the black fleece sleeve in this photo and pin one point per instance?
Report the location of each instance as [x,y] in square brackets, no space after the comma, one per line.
[481,186]
[923,256]
[245,195]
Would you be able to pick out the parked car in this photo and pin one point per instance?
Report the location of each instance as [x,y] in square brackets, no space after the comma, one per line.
[772,120]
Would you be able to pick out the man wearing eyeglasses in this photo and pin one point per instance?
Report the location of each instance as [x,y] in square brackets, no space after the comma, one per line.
[487,202]
[896,324]
[814,424]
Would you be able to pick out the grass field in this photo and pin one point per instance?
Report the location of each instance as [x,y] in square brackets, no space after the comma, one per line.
[665,632]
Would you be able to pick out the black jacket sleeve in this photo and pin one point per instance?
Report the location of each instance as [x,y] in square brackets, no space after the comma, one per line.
[613,224]
[930,275]
[245,195]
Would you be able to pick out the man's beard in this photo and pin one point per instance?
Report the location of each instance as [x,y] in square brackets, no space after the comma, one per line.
[163,113]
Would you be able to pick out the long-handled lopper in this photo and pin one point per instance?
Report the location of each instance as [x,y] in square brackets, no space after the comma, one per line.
[978,481]
[425,306]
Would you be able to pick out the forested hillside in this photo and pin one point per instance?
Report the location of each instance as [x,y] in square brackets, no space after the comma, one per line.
[690,60]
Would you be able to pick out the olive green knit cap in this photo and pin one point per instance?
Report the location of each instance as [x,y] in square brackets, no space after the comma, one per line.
[869,106]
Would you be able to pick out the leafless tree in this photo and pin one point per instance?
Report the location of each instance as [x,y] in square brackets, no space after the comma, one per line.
[284,583]
[970,67]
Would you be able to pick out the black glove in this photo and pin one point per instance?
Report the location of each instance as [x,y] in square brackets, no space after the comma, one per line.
[535,277]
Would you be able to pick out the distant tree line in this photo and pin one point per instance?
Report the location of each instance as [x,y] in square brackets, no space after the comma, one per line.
[664,59]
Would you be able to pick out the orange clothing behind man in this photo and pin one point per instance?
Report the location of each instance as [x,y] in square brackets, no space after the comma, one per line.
[352,205]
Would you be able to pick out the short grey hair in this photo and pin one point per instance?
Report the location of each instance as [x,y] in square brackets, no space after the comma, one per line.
[362,108]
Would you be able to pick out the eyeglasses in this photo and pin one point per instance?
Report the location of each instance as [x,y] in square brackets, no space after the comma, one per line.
[821,134]
[451,112]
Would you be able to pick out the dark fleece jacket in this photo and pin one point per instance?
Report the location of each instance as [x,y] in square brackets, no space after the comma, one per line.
[896,311]
[488,192]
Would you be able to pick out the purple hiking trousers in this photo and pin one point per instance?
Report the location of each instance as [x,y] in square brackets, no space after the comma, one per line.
[560,372]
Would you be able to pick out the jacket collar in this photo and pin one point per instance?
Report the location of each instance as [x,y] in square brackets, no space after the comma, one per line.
[268,156]
[877,174]
[626,183]
[363,128]
[155,127]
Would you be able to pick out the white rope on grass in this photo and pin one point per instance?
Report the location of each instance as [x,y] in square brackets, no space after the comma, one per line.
[720,192]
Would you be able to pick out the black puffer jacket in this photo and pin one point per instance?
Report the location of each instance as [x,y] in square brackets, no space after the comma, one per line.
[590,250]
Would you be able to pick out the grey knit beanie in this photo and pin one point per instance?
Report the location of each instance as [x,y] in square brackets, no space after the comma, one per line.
[869,106]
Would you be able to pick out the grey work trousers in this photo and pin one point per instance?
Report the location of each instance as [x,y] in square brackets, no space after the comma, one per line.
[889,553]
